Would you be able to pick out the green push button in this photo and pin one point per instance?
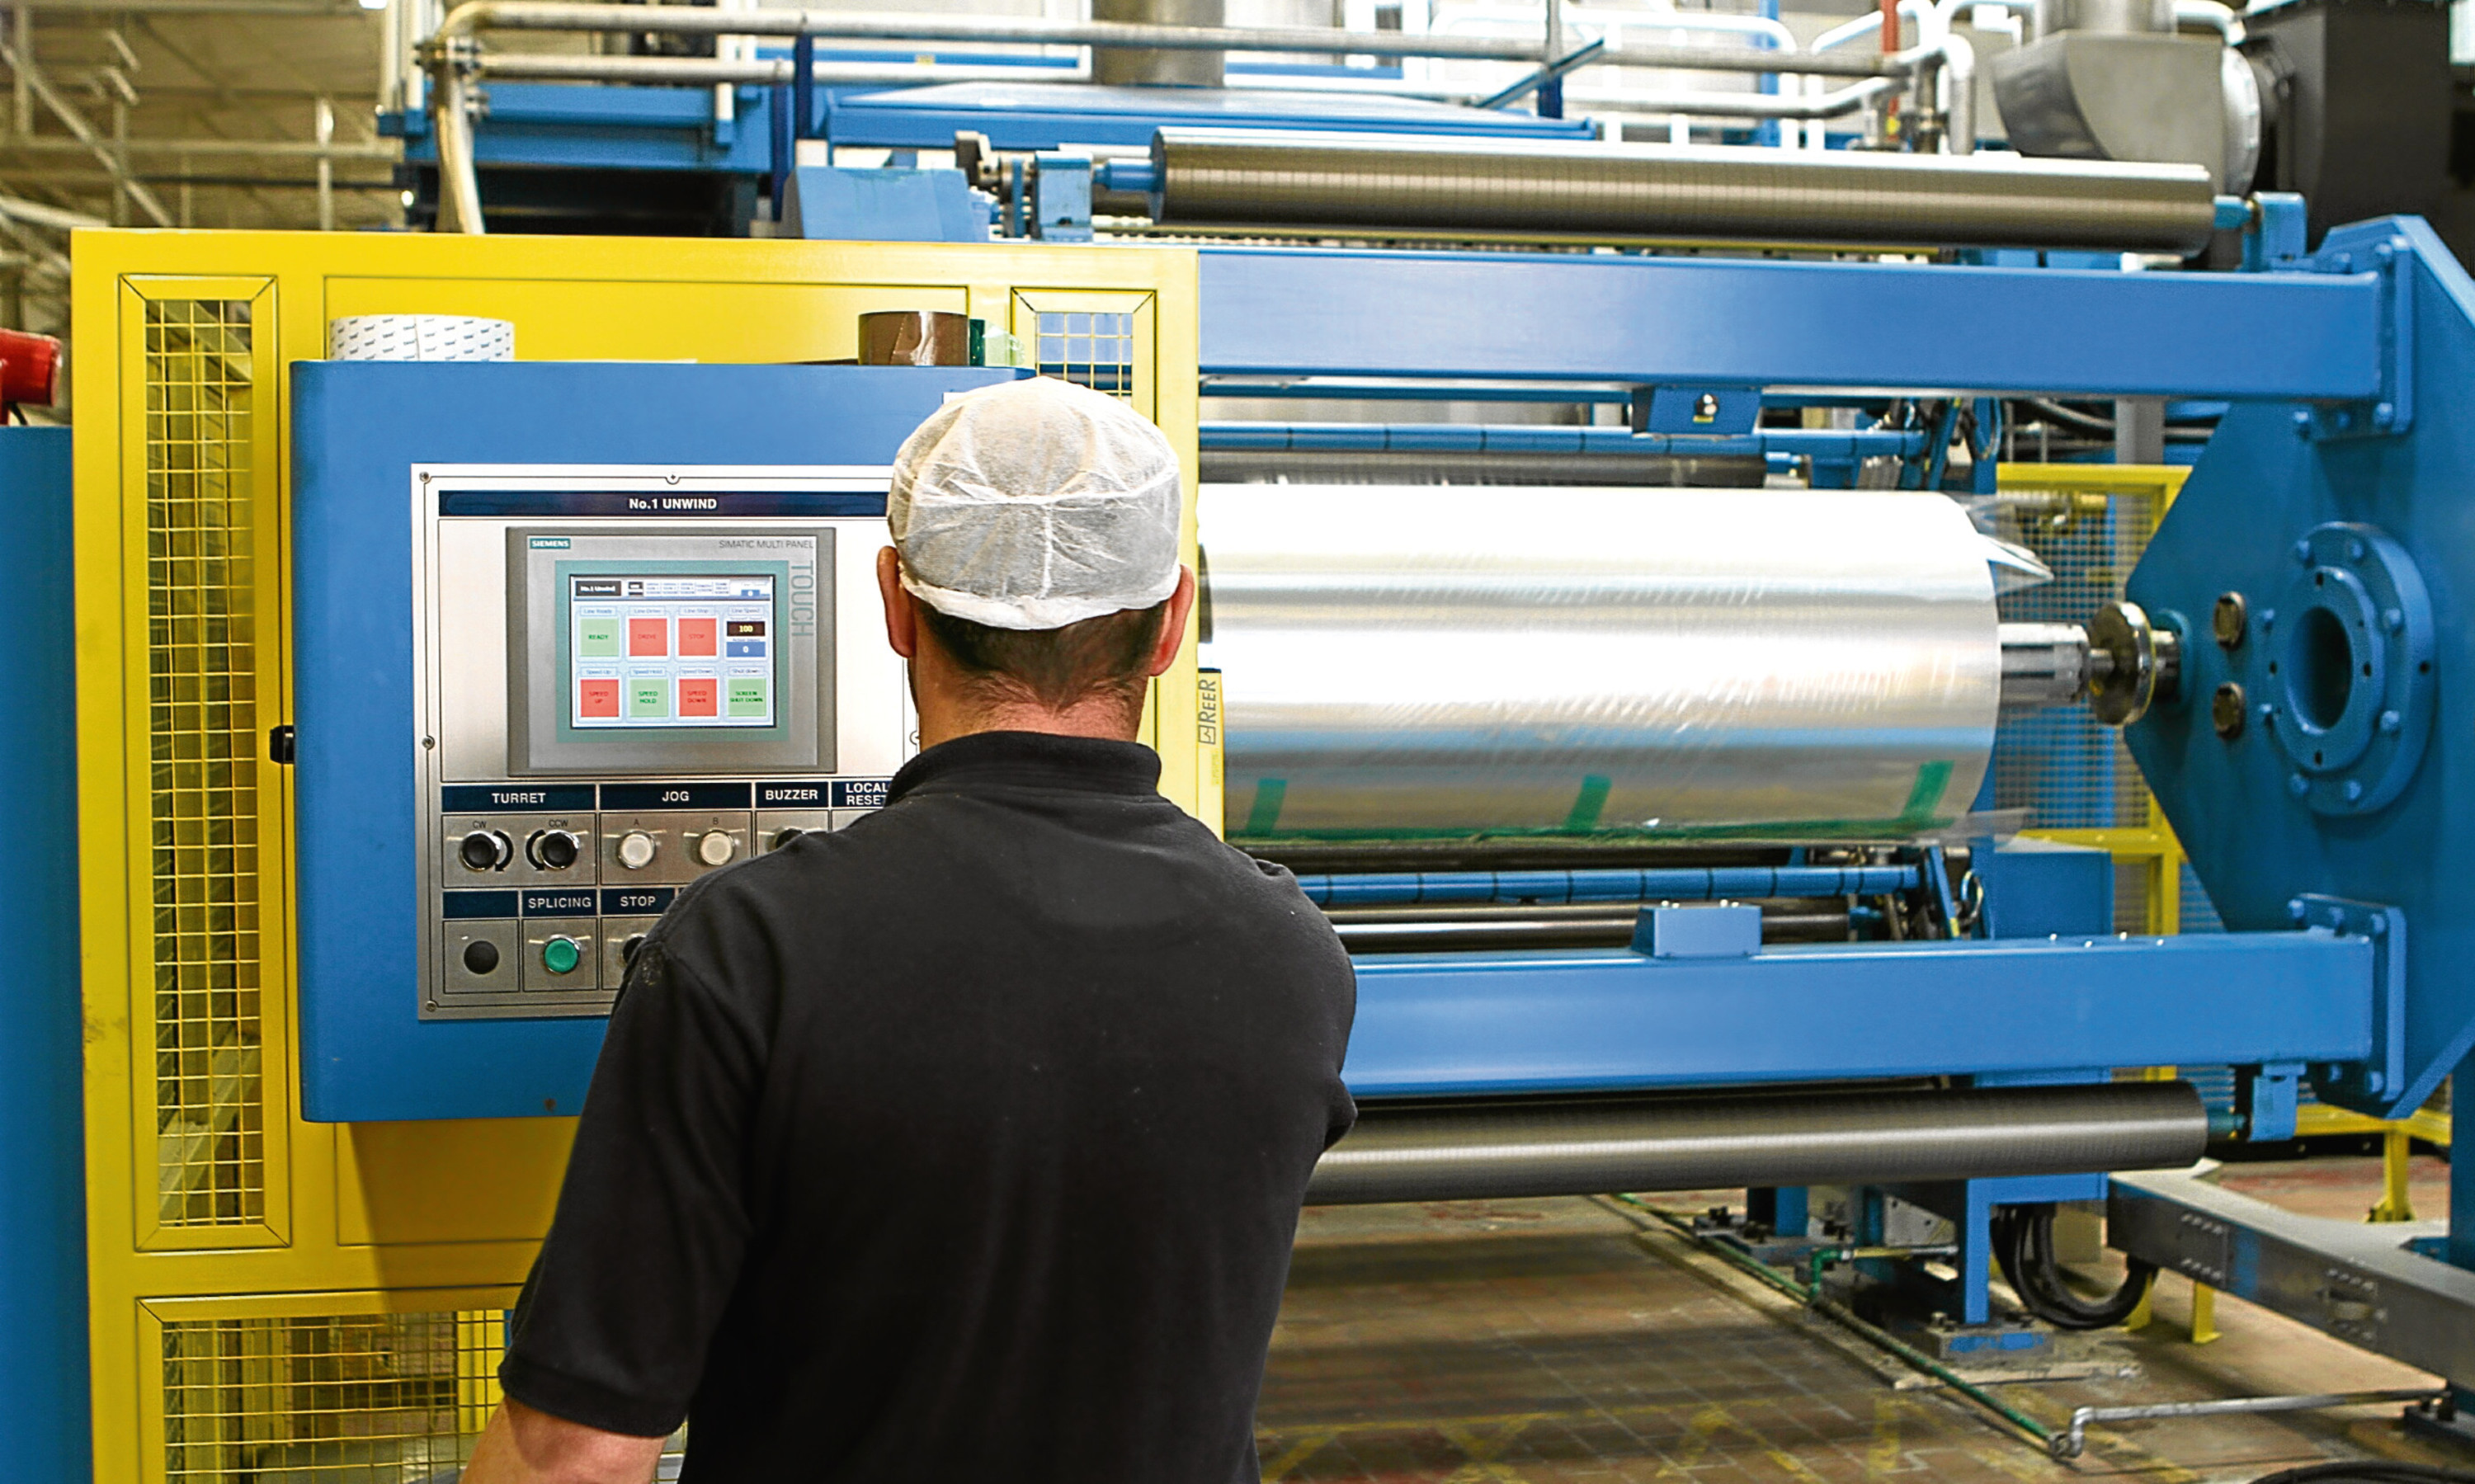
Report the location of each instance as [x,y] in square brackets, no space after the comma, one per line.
[561,956]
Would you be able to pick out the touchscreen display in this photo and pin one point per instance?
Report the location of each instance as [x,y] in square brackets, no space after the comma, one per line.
[670,650]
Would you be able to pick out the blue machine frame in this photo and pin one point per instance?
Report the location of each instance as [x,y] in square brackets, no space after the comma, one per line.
[2323,498]
[43,1392]
[2320,825]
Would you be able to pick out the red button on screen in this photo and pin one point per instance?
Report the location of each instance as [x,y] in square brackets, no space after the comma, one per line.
[648,636]
[696,696]
[597,697]
[696,637]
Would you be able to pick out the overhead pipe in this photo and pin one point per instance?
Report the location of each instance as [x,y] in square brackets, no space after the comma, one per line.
[761,72]
[474,16]
[1781,106]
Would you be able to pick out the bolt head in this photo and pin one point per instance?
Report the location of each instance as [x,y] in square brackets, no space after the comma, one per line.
[2384,415]
[2227,619]
[2295,908]
[2298,785]
[2390,721]
[2303,552]
[2226,711]
[2378,925]
[2353,791]
[2375,1080]
[2393,620]
[2355,551]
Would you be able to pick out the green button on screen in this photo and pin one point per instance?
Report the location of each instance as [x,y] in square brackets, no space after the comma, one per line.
[648,697]
[747,695]
[597,638]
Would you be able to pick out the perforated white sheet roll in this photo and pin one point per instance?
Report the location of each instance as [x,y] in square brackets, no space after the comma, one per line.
[420,337]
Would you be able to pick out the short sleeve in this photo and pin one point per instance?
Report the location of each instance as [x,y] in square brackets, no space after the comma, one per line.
[652,1224]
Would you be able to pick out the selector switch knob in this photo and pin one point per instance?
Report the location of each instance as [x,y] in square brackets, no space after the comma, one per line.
[716,847]
[636,849]
[561,955]
[554,850]
[484,850]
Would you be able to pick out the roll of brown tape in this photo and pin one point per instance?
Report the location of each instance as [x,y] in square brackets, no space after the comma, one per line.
[915,337]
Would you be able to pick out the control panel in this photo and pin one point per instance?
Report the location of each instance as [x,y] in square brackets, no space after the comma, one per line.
[629,681]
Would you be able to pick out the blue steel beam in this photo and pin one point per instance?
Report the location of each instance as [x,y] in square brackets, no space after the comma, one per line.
[1447,1024]
[1273,312]
[1538,438]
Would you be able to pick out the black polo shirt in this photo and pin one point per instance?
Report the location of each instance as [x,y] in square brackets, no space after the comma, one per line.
[963,1144]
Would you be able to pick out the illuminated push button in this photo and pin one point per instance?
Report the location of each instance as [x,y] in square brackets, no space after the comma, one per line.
[716,847]
[554,850]
[484,850]
[480,957]
[561,955]
[636,850]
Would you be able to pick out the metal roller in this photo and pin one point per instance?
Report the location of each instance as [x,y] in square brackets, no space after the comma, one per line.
[1226,177]
[1507,1150]
[1563,664]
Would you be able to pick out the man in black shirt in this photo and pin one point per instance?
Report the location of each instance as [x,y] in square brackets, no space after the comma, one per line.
[964,1144]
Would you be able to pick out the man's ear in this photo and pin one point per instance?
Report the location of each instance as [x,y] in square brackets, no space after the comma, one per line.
[1172,629]
[901,609]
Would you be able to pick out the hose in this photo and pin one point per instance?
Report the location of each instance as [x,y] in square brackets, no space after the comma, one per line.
[2369,1470]
[2023,1243]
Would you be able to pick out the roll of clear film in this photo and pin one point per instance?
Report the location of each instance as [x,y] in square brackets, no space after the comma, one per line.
[1405,663]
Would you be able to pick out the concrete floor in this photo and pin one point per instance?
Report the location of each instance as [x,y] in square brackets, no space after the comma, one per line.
[1574,1340]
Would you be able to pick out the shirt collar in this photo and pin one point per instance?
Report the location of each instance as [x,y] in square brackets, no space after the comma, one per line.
[1037,758]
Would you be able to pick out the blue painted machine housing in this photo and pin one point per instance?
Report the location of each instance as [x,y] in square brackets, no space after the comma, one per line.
[43,1394]
[357,429]
[2353,552]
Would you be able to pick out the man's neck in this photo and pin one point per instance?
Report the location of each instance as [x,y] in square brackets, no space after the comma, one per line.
[1106,718]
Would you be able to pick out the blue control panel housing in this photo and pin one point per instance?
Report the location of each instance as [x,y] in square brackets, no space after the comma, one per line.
[358,428]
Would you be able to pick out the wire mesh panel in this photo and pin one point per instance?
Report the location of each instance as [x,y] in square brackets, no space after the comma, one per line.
[361,1398]
[1102,339]
[201,554]
[1093,349]
[2063,766]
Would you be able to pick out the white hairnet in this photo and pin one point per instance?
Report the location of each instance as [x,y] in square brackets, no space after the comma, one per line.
[1034,504]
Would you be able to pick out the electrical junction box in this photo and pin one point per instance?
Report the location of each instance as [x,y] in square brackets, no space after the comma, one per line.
[569,637]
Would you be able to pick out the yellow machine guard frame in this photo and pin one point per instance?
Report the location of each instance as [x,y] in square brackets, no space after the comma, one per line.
[272,1296]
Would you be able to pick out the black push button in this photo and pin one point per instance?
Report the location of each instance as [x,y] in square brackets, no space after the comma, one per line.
[554,850]
[480,957]
[627,949]
[481,851]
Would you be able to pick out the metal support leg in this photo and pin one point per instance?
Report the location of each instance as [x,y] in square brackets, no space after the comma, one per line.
[2398,1200]
[2461,1204]
[1782,1208]
[2204,1314]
